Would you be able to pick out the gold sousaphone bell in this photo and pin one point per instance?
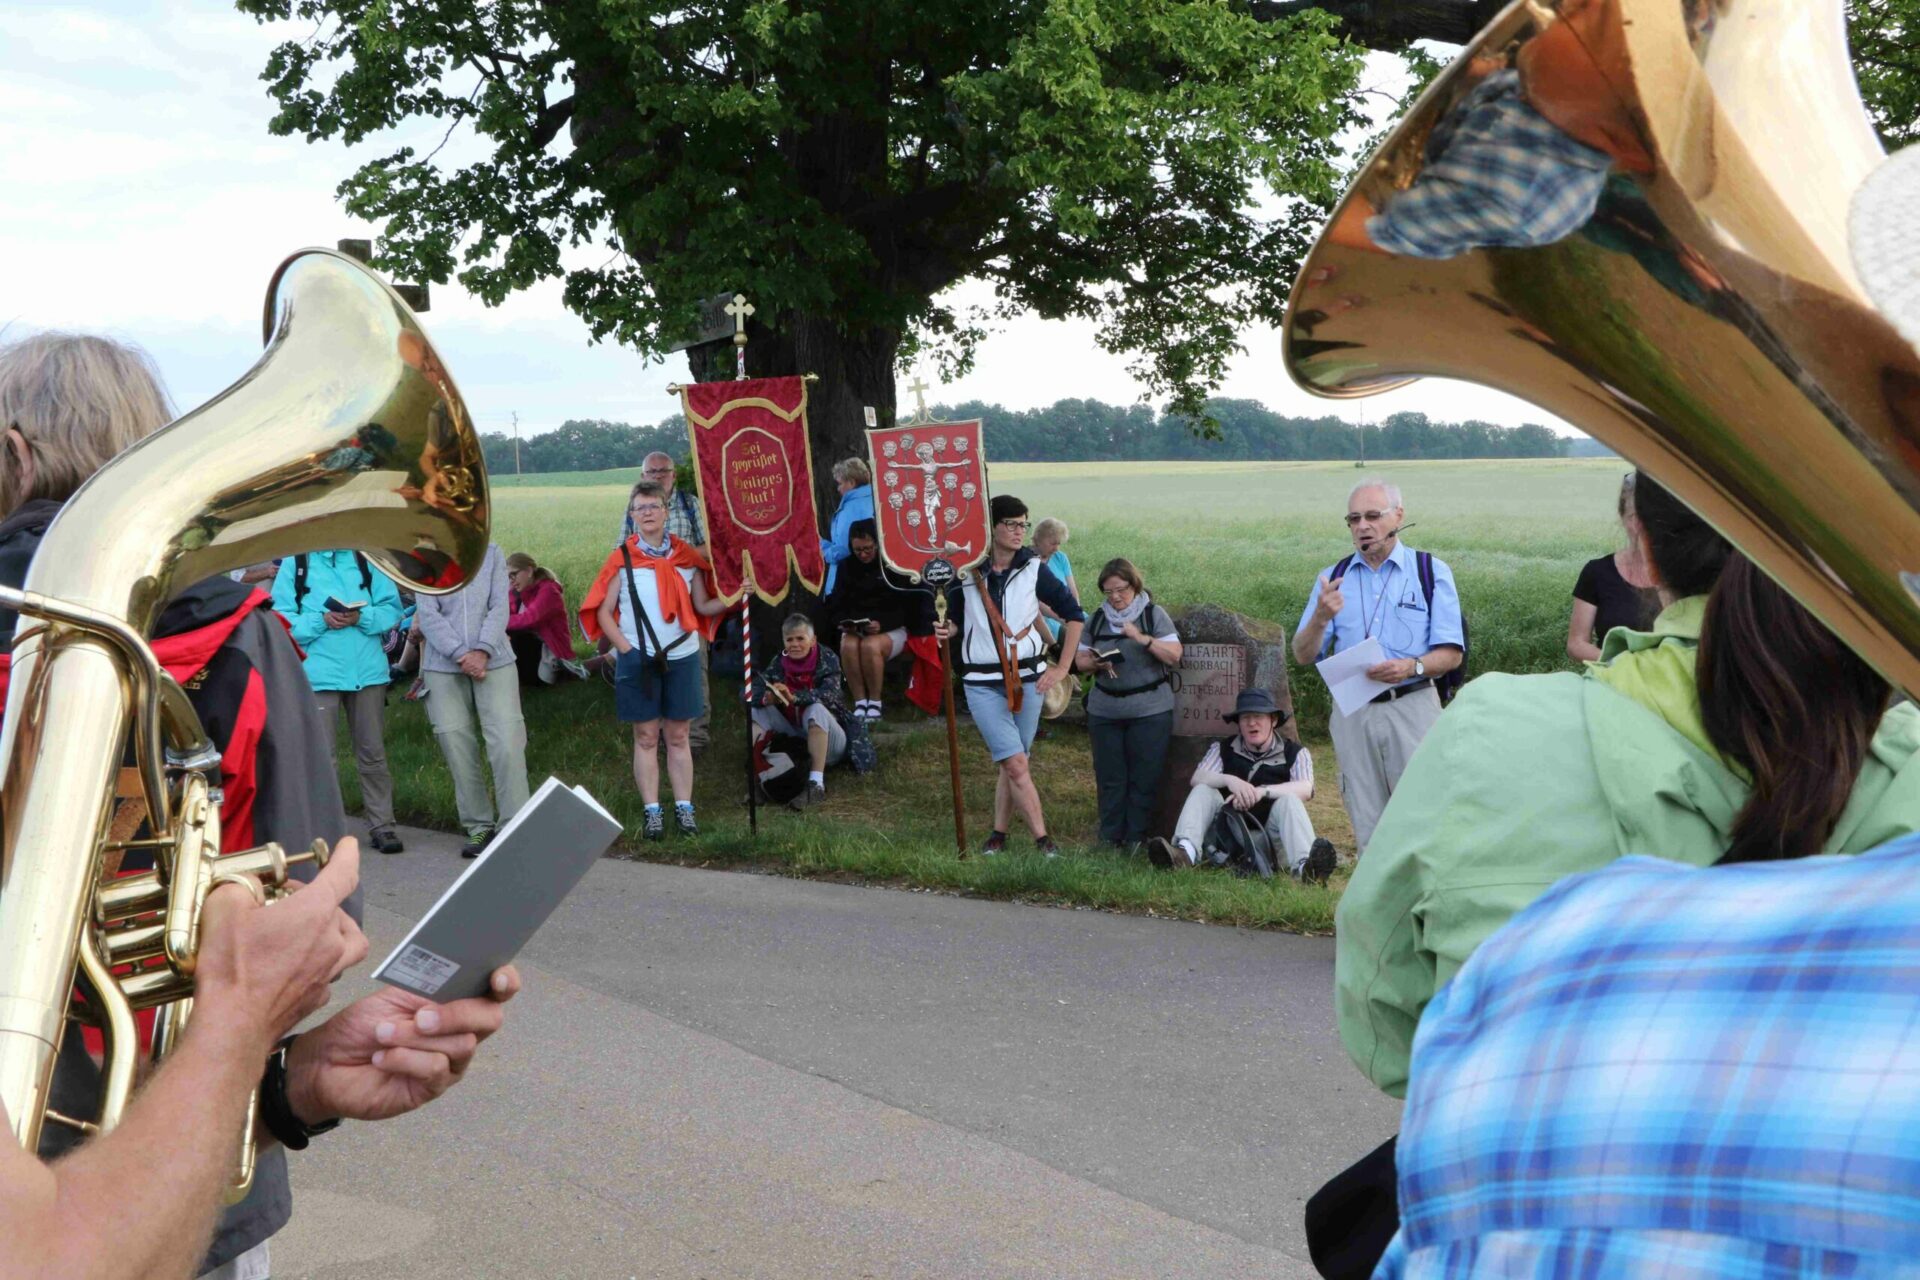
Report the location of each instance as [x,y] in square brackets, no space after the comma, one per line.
[348,433]
[1662,260]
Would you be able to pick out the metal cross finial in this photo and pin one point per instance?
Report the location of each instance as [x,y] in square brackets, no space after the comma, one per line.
[919,388]
[739,309]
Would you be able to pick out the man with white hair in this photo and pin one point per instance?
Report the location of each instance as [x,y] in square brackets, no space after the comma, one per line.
[1406,600]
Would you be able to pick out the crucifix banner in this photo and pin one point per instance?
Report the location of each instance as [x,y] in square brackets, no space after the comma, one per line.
[929,494]
[755,477]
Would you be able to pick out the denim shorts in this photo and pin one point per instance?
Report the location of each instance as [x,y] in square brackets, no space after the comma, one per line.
[641,694]
[1006,733]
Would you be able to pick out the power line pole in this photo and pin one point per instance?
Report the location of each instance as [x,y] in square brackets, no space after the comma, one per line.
[516,444]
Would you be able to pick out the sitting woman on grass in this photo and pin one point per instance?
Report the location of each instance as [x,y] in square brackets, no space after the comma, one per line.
[537,626]
[800,694]
[872,614]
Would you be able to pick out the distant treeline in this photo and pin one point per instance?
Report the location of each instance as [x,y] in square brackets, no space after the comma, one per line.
[1087,430]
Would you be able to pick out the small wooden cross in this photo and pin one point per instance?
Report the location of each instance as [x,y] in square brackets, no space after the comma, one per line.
[919,388]
[739,309]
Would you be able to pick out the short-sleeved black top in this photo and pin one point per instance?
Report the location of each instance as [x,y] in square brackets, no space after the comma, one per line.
[1617,602]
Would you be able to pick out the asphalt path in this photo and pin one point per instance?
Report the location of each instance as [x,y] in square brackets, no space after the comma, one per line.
[714,1074]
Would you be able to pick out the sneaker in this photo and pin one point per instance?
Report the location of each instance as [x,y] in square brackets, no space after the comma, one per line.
[1047,847]
[996,843]
[873,713]
[655,827]
[814,794]
[474,844]
[417,690]
[1321,860]
[684,817]
[1161,852]
[383,839]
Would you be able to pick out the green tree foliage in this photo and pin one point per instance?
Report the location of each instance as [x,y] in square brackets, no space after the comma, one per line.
[1087,430]
[1885,38]
[1156,165]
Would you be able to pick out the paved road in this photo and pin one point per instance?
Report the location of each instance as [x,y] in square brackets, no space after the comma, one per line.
[724,1075]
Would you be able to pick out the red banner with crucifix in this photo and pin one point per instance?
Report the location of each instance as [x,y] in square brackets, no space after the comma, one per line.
[929,494]
[755,478]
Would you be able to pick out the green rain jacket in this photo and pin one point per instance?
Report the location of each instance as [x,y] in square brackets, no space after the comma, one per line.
[1528,779]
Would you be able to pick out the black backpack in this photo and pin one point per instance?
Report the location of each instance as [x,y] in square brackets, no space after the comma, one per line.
[1449,684]
[300,577]
[1238,842]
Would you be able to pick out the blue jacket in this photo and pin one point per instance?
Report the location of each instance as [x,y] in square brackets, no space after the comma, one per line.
[351,657]
[855,504]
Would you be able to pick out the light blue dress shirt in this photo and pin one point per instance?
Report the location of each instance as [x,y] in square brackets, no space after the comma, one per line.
[1387,603]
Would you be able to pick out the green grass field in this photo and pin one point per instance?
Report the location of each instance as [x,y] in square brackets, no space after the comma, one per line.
[1249,536]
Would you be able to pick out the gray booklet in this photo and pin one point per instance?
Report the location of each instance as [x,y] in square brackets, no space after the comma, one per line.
[504,895]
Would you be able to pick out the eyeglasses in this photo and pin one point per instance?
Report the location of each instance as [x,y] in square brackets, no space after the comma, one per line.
[1021,525]
[641,508]
[1121,590]
[657,471]
[1371,517]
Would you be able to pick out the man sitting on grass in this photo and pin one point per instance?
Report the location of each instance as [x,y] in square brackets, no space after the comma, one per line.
[800,693]
[1258,772]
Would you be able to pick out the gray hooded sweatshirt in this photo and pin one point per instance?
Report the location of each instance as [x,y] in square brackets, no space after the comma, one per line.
[474,617]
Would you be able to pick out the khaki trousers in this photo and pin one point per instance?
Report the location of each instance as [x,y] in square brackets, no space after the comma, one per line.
[1288,825]
[1374,745]
[367,722]
[463,712]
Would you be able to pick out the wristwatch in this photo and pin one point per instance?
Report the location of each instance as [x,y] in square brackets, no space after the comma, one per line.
[277,1113]
[1419,667]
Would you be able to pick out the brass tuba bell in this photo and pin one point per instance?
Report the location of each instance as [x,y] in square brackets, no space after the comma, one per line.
[1665,265]
[348,433]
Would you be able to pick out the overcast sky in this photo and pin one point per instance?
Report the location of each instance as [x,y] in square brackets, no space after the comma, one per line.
[143,196]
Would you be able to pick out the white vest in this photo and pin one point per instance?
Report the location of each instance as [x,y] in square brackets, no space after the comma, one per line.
[979,662]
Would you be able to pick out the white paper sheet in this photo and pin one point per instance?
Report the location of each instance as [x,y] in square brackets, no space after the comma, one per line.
[1346,675]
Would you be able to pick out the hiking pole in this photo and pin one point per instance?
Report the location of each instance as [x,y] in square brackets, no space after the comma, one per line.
[953,731]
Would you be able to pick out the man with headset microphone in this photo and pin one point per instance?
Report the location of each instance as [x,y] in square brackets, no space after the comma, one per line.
[1406,600]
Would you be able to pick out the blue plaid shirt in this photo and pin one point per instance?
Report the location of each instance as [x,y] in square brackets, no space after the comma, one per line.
[1659,1070]
[1498,174]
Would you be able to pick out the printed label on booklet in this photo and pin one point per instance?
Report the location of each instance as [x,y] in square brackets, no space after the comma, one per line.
[422,970]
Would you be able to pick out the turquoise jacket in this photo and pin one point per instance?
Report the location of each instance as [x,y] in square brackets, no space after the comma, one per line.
[1526,780]
[351,657]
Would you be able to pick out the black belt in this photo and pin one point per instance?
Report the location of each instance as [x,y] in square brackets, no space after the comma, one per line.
[1128,693]
[1405,689]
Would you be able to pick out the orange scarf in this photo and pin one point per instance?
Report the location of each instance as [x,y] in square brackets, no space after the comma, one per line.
[676,601]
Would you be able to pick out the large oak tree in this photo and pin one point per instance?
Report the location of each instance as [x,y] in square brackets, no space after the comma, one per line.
[1156,165]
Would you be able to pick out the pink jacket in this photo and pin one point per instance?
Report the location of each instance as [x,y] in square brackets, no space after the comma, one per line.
[545,615]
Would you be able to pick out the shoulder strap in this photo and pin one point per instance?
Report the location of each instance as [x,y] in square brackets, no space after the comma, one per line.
[366,572]
[1002,646]
[1423,566]
[641,622]
[1340,570]
[299,581]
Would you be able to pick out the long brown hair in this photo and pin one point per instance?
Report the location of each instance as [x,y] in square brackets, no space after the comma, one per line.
[1779,694]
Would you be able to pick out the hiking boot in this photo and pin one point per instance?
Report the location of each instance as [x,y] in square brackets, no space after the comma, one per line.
[383,839]
[655,827]
[474,844]
[1321,860]
[996,843]
[1045,845]
[684,817]
[815,793]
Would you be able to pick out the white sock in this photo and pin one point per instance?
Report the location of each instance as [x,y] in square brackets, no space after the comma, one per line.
[817,778]
[1186,847]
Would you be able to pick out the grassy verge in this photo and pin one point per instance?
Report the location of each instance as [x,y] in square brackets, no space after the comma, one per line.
[893,827]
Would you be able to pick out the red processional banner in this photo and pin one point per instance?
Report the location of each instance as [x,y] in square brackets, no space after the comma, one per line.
[930,496]
[755,478]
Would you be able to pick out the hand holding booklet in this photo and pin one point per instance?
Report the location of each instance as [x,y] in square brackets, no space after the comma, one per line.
[1346,675]
[503,896]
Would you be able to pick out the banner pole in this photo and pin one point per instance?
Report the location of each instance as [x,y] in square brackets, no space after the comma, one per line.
[953,730]
[746,693]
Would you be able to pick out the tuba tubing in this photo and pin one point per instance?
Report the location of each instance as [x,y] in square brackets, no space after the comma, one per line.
[347,433]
